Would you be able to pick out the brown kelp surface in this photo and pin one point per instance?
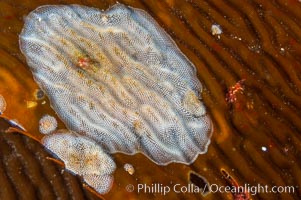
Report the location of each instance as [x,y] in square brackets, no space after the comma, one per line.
[252,82]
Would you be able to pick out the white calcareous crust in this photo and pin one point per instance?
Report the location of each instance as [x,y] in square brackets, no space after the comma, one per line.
[2,104]
[47,124]
[83,157]
[117,78]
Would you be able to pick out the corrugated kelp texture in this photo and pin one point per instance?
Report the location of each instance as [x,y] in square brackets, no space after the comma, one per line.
[252,86]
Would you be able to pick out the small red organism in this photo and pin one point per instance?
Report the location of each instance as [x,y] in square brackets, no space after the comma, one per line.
[84,62]
[231,95]
[238,195]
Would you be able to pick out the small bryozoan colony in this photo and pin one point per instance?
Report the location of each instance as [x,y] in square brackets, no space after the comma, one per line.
[47,124]
[84,157]
[2,104]
[117,80]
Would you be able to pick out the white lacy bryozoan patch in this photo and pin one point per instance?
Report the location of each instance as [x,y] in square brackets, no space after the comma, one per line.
[2,104]
[47,124]
[117,78]
[84,157]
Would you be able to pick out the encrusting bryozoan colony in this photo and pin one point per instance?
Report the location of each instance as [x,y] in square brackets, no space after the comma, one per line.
[129,168]
[117,78]
[84,157]
[47,124]
[2,104]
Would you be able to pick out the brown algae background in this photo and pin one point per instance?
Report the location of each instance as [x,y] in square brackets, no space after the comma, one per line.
[251,78]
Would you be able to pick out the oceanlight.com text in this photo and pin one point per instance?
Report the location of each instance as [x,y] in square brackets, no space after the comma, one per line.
[158,188]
